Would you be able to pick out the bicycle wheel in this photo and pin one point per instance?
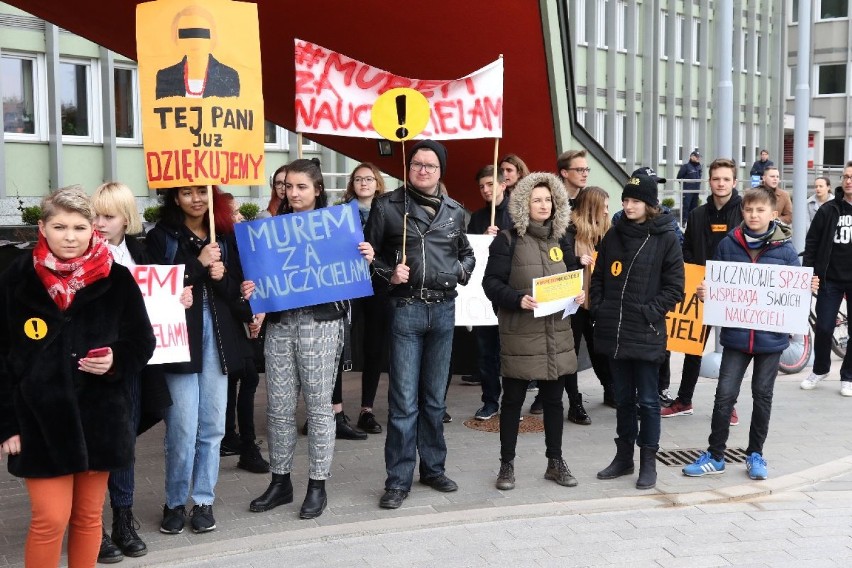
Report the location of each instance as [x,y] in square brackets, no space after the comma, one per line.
[797,354]
[841,336]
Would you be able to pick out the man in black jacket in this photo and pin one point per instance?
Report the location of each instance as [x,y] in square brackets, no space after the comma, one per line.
[691,169]
[828,248]
[488,337]
[705,229]
[422,253]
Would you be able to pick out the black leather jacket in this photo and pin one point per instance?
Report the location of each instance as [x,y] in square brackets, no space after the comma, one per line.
[437,251]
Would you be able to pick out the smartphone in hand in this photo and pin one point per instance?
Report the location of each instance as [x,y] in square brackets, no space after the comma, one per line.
[97,352]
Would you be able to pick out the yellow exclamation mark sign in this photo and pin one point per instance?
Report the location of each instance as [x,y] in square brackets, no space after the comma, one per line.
[35,328]
[402,131]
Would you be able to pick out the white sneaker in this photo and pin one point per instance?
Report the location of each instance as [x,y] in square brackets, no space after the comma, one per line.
[811,382]
[846,388]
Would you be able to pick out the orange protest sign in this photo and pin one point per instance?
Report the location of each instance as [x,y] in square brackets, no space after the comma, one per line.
[201,92]
[686,332]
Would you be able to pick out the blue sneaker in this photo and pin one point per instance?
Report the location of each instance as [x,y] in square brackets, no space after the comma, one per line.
[704,465]
[756,466]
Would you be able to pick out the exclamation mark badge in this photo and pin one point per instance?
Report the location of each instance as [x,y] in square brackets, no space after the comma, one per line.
[35,328]
[402,131]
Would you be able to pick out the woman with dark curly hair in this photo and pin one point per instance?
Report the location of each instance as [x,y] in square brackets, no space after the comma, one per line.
[195,423]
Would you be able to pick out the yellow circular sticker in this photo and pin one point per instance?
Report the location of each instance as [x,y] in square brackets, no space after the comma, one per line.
[400,114]
[35,328]
[555,254]
[615,268]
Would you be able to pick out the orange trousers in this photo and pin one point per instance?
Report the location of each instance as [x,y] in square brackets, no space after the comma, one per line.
[59,502]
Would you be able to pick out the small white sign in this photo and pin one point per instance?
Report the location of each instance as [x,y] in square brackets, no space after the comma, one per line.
[473,308]
[161,286]
[766,297]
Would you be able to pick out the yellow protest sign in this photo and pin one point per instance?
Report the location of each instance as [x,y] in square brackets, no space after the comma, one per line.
[201,92]
[686,333]
[558,287]
[400,114]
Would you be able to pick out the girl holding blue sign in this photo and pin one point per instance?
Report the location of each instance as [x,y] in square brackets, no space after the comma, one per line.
[302,349]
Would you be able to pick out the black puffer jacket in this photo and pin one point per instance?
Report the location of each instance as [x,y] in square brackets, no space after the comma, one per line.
[638,278]
[437,250]
[69,421]
[707,226]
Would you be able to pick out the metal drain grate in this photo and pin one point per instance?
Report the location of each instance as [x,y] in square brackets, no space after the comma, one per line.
[680,458]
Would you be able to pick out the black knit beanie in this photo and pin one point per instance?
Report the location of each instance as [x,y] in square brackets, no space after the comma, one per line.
[439,149]
[643,188]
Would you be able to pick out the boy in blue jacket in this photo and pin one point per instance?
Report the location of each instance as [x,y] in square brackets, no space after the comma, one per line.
[759,239]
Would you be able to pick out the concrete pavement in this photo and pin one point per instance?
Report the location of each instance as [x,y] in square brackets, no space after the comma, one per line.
[808,444]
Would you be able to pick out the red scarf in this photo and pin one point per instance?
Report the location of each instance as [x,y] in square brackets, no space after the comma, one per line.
[62,278]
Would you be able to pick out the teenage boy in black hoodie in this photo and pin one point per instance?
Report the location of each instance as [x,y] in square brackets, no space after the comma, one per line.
[828,248]
[487,337]
[705,229]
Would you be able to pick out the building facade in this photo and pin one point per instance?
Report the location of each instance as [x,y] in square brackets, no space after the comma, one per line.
[71,116]
[646,79]
[831,96]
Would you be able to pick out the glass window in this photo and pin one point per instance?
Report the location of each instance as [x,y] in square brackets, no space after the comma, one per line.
[829,9]
[581,22]
[603,29]
[18,95]
[125,104]
[696,40]
[833,152]
[74,98]
[270,132]
[832,79]
[664,36]
[794,11]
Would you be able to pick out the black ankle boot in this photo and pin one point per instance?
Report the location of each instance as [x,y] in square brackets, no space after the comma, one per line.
[622,463]
[109,553]
[315,500]
[344,430]
[124,535]
[647,468]
[576,413]
[279,492]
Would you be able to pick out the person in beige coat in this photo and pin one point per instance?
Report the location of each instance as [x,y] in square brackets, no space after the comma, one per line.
[532,348]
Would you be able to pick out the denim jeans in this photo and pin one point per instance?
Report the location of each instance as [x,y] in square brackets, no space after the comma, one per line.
[488,341]
[122,482]
[514,393]
[629,379]
[731,372]
[421,340]
[195,424]
[829,297]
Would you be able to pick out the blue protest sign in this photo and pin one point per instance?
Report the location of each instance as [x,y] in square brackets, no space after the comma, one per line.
[304,259]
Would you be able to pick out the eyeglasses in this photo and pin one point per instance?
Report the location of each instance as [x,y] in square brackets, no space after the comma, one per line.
[367,180]
[580,170]
[846,178]
[278,185]
[419,167]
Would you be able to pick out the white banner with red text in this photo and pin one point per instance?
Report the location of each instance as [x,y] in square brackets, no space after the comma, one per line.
[335,94]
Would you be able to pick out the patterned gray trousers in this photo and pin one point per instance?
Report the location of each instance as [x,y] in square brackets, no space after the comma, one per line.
[301,354]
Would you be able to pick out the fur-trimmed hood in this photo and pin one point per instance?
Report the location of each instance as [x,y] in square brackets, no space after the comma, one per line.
[519,202]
